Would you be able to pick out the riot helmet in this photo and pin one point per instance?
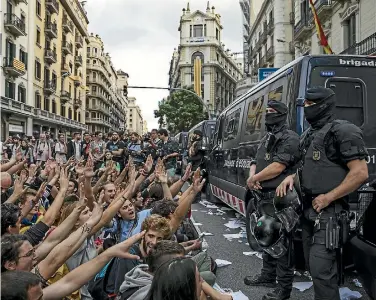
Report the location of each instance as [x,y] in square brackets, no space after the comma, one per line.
[288,208]
[269,234]
[267,231]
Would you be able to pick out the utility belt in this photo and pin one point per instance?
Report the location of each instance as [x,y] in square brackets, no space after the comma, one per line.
[336,226]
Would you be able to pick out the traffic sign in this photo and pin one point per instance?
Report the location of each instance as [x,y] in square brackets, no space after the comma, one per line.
[265,72]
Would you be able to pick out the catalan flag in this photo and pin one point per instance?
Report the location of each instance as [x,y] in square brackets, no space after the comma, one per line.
[320,31]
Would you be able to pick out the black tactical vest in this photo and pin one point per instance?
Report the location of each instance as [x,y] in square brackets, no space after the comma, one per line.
[264,158]
[319,174]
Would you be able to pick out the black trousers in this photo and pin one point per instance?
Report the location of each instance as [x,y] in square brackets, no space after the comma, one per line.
[321,262]
[276,268]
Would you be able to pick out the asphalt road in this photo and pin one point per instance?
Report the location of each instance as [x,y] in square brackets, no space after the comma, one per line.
[231,276]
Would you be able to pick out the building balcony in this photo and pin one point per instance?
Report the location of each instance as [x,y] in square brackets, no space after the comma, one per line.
[270,53]
[365,47]
[66,47]
[11,105]
[324,9]
[302,29]
[64,68]
[65,97]
[76,80]
[98,121]
[292,18]
[52,6]
[50,56]
[14,25]
[67,25]
[100,108]
[20,1]
[50,30]
[78,60]
[49,87]
[270,27]
[79,41]
[77,103]
[14,67]
[59,120]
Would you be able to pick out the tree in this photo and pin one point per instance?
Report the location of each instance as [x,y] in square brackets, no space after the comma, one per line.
[181,111]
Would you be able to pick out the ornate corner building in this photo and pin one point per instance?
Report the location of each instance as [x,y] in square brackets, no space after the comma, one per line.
[43,66]
[202,60]
[106,101]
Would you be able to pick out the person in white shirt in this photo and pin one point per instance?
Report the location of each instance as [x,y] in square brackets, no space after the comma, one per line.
[61,150]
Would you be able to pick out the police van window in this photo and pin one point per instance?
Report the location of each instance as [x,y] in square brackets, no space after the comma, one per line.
[232,125]
[276,94]
[349,93]
[254,116]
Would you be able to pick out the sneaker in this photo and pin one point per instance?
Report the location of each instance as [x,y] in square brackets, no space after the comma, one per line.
[259,280]
[277,294]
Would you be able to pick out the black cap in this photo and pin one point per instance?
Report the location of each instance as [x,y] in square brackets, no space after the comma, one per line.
[197,132]
[318,94]
[278,106]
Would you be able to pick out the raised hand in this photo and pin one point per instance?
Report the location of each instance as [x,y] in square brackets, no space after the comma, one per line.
[96,215]
[40,192]
[198,184]
[18,155]
[89,168]
[64,178]
[161,175]
[19,186]
[187,173]
[121,250]
[148,164]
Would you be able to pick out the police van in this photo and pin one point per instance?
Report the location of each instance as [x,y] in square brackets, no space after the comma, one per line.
[240,126]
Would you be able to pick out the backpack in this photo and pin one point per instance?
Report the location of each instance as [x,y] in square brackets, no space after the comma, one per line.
[97,286]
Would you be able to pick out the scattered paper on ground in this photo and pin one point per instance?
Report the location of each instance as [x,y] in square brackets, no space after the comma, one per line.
[197,224]
[194,210]
[231,236]
[302,286]
[253,253]
[239,296]
[235,296]
[207,204]
[206,234]
[234,224]
[222,263]
[346,294]
[226,208]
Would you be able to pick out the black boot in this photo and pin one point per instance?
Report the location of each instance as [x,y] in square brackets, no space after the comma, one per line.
[277,294]
[260,280]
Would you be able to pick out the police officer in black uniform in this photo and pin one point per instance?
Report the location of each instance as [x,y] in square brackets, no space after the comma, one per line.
[276,158]
[333,166]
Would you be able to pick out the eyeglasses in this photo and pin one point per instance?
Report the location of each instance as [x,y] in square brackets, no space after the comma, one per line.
[30,253]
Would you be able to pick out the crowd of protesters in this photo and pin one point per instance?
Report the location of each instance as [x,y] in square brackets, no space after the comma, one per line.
[100,218]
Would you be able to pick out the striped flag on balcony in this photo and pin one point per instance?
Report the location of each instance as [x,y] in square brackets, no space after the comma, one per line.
[19,65]
[320,31]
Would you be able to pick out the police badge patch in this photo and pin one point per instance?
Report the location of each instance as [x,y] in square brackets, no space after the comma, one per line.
[316,155]
[267,156]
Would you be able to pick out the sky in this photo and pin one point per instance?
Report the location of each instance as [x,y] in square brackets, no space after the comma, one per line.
[140,36]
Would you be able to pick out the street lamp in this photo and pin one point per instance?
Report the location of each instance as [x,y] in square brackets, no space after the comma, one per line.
[176,89]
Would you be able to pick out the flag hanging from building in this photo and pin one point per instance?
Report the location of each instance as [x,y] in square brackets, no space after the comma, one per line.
[197,75]
[320,31]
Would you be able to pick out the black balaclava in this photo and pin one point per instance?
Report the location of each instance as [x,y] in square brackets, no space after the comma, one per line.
[276,121]
[322,111]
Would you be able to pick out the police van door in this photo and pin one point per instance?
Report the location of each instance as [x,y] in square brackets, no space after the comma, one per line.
[231,138]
